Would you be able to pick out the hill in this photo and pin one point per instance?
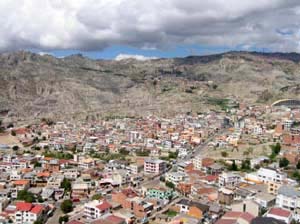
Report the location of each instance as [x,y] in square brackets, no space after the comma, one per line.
[35,86]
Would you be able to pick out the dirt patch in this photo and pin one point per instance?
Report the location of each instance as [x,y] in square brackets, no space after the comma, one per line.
[7,139]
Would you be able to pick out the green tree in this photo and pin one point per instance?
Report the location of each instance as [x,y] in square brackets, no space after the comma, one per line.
[15,148]
[66,184]
[13,133]
[275,150]
[66,206]
[27,196]
[298,165]
[246,165]
[173,155]
[37,164]
[262,211]
[283,162]
[170,185]
[233,166]
[1,127]
[296,175]
[38,222]
[63,219]
[123,151]
[40,199]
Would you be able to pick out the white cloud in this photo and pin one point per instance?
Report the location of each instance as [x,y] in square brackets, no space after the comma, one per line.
[133,56]
[155,24]
[42,53]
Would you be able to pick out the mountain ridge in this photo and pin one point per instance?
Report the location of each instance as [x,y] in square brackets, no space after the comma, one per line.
[36,86]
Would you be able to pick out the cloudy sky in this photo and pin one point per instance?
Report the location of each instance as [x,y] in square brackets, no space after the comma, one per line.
[149,28]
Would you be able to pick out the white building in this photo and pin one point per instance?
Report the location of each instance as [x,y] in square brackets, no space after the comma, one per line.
[71,174]
[28,213]
[288,197]
[258,130]
[135,168]
[197,162]
[175,177]
[155,166]
[288,124]
[135,136]
[229,179]
[267,175]
[96,209]
[182,152]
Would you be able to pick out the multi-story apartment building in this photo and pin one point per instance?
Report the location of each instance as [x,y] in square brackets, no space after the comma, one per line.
[96,209]
[229,179]
[155,166]
[175,177]
[288,197]
[273,187]
[267,175]
[28,213]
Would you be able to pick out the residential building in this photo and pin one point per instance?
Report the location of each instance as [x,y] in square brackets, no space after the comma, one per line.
[155,166]
[96,209]
[280,214]
[288,197]
[28,213]
[175,177]
[159,193]
[236,218]
[192,208]
[227,179]
[271,175]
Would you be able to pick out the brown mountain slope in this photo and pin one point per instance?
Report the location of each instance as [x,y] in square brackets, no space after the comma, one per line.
[35,86]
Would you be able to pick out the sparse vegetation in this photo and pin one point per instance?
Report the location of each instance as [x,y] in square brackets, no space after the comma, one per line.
[222,103]
[224,154]
[58,155]
[97,197]
[142,152]
[171,213]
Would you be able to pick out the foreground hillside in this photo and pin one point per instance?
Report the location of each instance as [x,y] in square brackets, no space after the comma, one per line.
[35,86]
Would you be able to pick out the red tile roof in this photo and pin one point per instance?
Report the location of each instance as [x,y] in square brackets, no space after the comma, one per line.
[207,162]
[75,222]
[23,206]
[115,219]
[20,182]
[247,216]
[37,209]
[104,206]
[129,193]
[232,214]
[226,221]
[279,212]
[232,217]
[211,178]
